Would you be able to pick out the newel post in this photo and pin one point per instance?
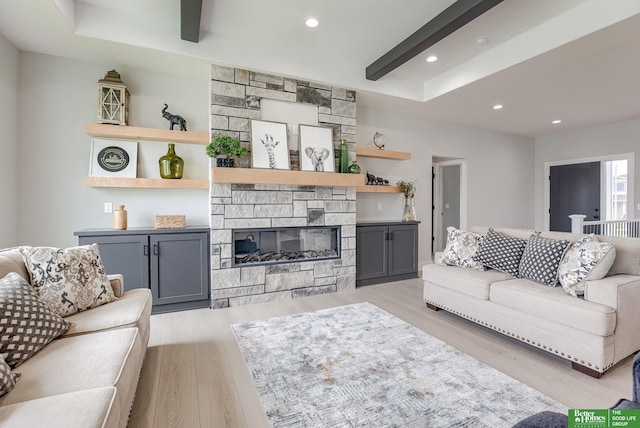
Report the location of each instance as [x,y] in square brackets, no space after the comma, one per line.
[577,222]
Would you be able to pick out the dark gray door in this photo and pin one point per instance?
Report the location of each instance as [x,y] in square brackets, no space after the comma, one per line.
[403,251]
[574,189]
[179,268]
[371,252]
[124,254]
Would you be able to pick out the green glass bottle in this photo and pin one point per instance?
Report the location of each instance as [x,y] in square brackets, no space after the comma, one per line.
[354,168]
[343,157]
[171,165]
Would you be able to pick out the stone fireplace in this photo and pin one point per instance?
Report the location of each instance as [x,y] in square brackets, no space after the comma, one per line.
[244,209]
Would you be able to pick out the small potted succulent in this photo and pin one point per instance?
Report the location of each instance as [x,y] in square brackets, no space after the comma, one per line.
[222,147]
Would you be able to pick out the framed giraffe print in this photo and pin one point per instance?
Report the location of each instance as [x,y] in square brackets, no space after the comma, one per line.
[316,149]
[269,148]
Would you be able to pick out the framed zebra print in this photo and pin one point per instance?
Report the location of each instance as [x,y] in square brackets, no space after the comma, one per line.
[269,148]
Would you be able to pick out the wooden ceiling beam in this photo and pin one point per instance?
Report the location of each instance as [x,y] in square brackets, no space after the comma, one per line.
[451,19]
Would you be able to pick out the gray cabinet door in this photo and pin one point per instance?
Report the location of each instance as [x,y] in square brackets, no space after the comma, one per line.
[179,268]
[403,249]
[371,252]
[124,254]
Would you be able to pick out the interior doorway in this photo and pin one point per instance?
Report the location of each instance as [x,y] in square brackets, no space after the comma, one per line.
[449,199]
[573,189]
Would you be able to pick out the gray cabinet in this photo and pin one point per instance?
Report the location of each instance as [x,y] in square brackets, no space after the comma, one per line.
[386,251]
[173,263]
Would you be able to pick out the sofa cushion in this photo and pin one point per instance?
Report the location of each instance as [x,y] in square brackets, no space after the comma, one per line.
[501,252]
[7,377]
[91,408]
[11,261]
[474,283]
[68,280]
[26,323]
[109,358]
[540,260]
[460,249]
[586,259]
[555,305]
[133,309]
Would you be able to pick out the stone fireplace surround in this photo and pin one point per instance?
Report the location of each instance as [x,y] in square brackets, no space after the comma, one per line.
[235,100]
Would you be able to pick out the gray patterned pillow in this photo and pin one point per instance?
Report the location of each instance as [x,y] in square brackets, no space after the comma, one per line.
[501,252]
[460,249]
[586,259]
[26,323]
[540,260]
[7,378]
[68,280]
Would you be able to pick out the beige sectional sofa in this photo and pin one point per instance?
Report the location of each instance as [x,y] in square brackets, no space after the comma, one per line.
[594,331]
[88,376]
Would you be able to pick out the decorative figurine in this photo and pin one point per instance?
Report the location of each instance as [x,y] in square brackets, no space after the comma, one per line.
[174,119]
[378,140]
[376,181]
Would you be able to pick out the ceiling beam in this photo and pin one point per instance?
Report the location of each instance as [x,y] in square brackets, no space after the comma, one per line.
[451,19]
[190,14]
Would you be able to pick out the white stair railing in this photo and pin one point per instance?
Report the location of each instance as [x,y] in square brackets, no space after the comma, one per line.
[628,228]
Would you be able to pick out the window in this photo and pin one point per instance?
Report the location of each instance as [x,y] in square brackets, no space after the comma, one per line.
[616,189]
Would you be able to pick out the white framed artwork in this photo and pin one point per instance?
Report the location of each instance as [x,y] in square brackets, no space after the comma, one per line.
[113,158]
[316,149]
[269,148]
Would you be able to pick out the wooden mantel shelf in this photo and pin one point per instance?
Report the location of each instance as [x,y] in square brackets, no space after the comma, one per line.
[99,130]
[282,176]
[382,154]
[145,183]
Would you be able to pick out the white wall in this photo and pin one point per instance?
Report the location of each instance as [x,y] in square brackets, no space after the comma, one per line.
[8,143]
[56,97]
[623,137]
[499,170]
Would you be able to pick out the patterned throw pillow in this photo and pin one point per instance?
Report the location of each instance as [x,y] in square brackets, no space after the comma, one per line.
[586,259]
[501,252]
[7,378]
[540,260]
[68,280]
[26,323]
[460,249]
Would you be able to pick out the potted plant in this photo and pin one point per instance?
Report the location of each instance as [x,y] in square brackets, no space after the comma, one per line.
[408,188]
[223,145]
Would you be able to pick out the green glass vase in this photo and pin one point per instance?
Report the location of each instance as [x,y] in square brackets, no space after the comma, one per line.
[171,165]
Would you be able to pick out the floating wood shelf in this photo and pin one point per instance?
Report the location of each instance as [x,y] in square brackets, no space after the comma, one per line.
[382,154]
[99,130]
[281,176]
[378,189]
[145,183]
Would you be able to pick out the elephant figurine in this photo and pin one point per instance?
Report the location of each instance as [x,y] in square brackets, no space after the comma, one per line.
[174,119]
[317,156]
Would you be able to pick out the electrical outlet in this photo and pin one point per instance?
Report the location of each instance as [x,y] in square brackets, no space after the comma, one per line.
[108,207]
[379,206]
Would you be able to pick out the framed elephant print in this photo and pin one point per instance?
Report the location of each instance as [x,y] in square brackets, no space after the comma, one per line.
[316,149]
[269,148]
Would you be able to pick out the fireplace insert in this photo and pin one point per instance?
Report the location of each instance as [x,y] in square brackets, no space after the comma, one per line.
[285,244]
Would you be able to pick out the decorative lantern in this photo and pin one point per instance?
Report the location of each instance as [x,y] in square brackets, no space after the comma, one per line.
[113,100]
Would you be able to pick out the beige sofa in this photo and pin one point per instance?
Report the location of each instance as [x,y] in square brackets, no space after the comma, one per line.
[88,376]
[594,331]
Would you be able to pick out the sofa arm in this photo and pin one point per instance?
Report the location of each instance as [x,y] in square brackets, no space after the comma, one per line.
[117,283]
[610,290]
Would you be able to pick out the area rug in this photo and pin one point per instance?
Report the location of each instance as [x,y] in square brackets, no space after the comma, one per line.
[359,366]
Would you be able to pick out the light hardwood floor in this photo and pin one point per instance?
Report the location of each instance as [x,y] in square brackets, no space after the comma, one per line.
[194,374]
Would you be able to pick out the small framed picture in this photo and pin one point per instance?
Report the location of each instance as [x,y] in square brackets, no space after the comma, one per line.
[269,147]
[113,158]
[316,149]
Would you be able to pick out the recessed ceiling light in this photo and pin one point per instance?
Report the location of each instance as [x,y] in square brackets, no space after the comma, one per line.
[557,121]
[497,106]
[311,22]
[432,58]
[481,41]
